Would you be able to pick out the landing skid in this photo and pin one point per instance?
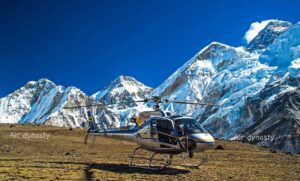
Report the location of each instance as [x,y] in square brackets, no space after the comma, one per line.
[192,165]
[162,163]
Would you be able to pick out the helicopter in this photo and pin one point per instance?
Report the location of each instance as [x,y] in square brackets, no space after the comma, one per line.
[158,132]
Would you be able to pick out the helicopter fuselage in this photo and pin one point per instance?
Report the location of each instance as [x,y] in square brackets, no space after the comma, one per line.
[170,135]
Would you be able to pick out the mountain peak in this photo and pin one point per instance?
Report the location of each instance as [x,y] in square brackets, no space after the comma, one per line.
[122,89]
[284,49]
[40,81]
[124,78]
[44,80]
[217,43]
[213,45]
[277,25]
[268,34]
[31,82]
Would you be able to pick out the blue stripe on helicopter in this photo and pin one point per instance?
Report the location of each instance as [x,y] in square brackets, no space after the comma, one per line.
[118,131]
[198,141]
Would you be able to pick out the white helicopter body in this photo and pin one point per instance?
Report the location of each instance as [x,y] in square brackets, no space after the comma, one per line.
[159,132]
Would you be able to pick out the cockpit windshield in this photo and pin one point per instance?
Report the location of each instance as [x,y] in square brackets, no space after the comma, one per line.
[188,126]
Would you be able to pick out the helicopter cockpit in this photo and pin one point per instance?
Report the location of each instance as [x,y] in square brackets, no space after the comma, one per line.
[186,126]
[157,131]
[167,129]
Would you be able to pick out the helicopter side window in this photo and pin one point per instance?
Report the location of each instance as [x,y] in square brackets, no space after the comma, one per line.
[144,131]
[162,129]
[188,126]
[154,134]
[169,113]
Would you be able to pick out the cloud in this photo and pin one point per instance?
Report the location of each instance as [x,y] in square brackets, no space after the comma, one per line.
[254,29]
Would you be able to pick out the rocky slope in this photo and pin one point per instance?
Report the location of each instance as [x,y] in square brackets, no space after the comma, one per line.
[122,92]
[278,115]
[235,77]
[41,102]
[276,108]
[120,95]
[266,37]
[257,88]
[44,102]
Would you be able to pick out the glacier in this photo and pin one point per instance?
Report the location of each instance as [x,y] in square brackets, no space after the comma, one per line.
[256,87]
[235,78]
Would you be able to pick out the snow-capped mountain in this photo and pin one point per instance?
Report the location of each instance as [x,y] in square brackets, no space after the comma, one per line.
[44,102]
[41,102]
[276,108]
[266,36]
[191,81]
[276,112]
[15,105]
[256,87]
[120,95]
[122,92]
[284,49]
[235,77]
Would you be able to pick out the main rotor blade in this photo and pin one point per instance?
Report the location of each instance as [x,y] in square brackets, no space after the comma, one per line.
[145,100]
[102,104]
[193,103]
[81,106]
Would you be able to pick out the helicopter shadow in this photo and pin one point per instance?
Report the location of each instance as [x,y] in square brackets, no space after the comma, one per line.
[125,168]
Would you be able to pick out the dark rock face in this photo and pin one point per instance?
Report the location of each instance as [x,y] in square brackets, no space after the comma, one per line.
[277,118]
[221,55]
[268,34]
[257,88]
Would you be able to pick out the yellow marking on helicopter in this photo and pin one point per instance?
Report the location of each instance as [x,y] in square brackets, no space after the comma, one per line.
[146,115]
[160,125]
[139,121]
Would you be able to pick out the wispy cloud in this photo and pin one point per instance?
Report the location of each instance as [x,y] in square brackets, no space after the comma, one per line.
[254,29]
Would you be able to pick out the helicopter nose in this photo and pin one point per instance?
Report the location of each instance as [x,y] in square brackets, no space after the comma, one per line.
[204,141]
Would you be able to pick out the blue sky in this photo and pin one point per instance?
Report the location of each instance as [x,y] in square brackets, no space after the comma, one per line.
[89,43]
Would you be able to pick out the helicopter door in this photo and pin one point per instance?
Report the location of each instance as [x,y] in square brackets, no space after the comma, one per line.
[153,132]
[161,130]
[145,131]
